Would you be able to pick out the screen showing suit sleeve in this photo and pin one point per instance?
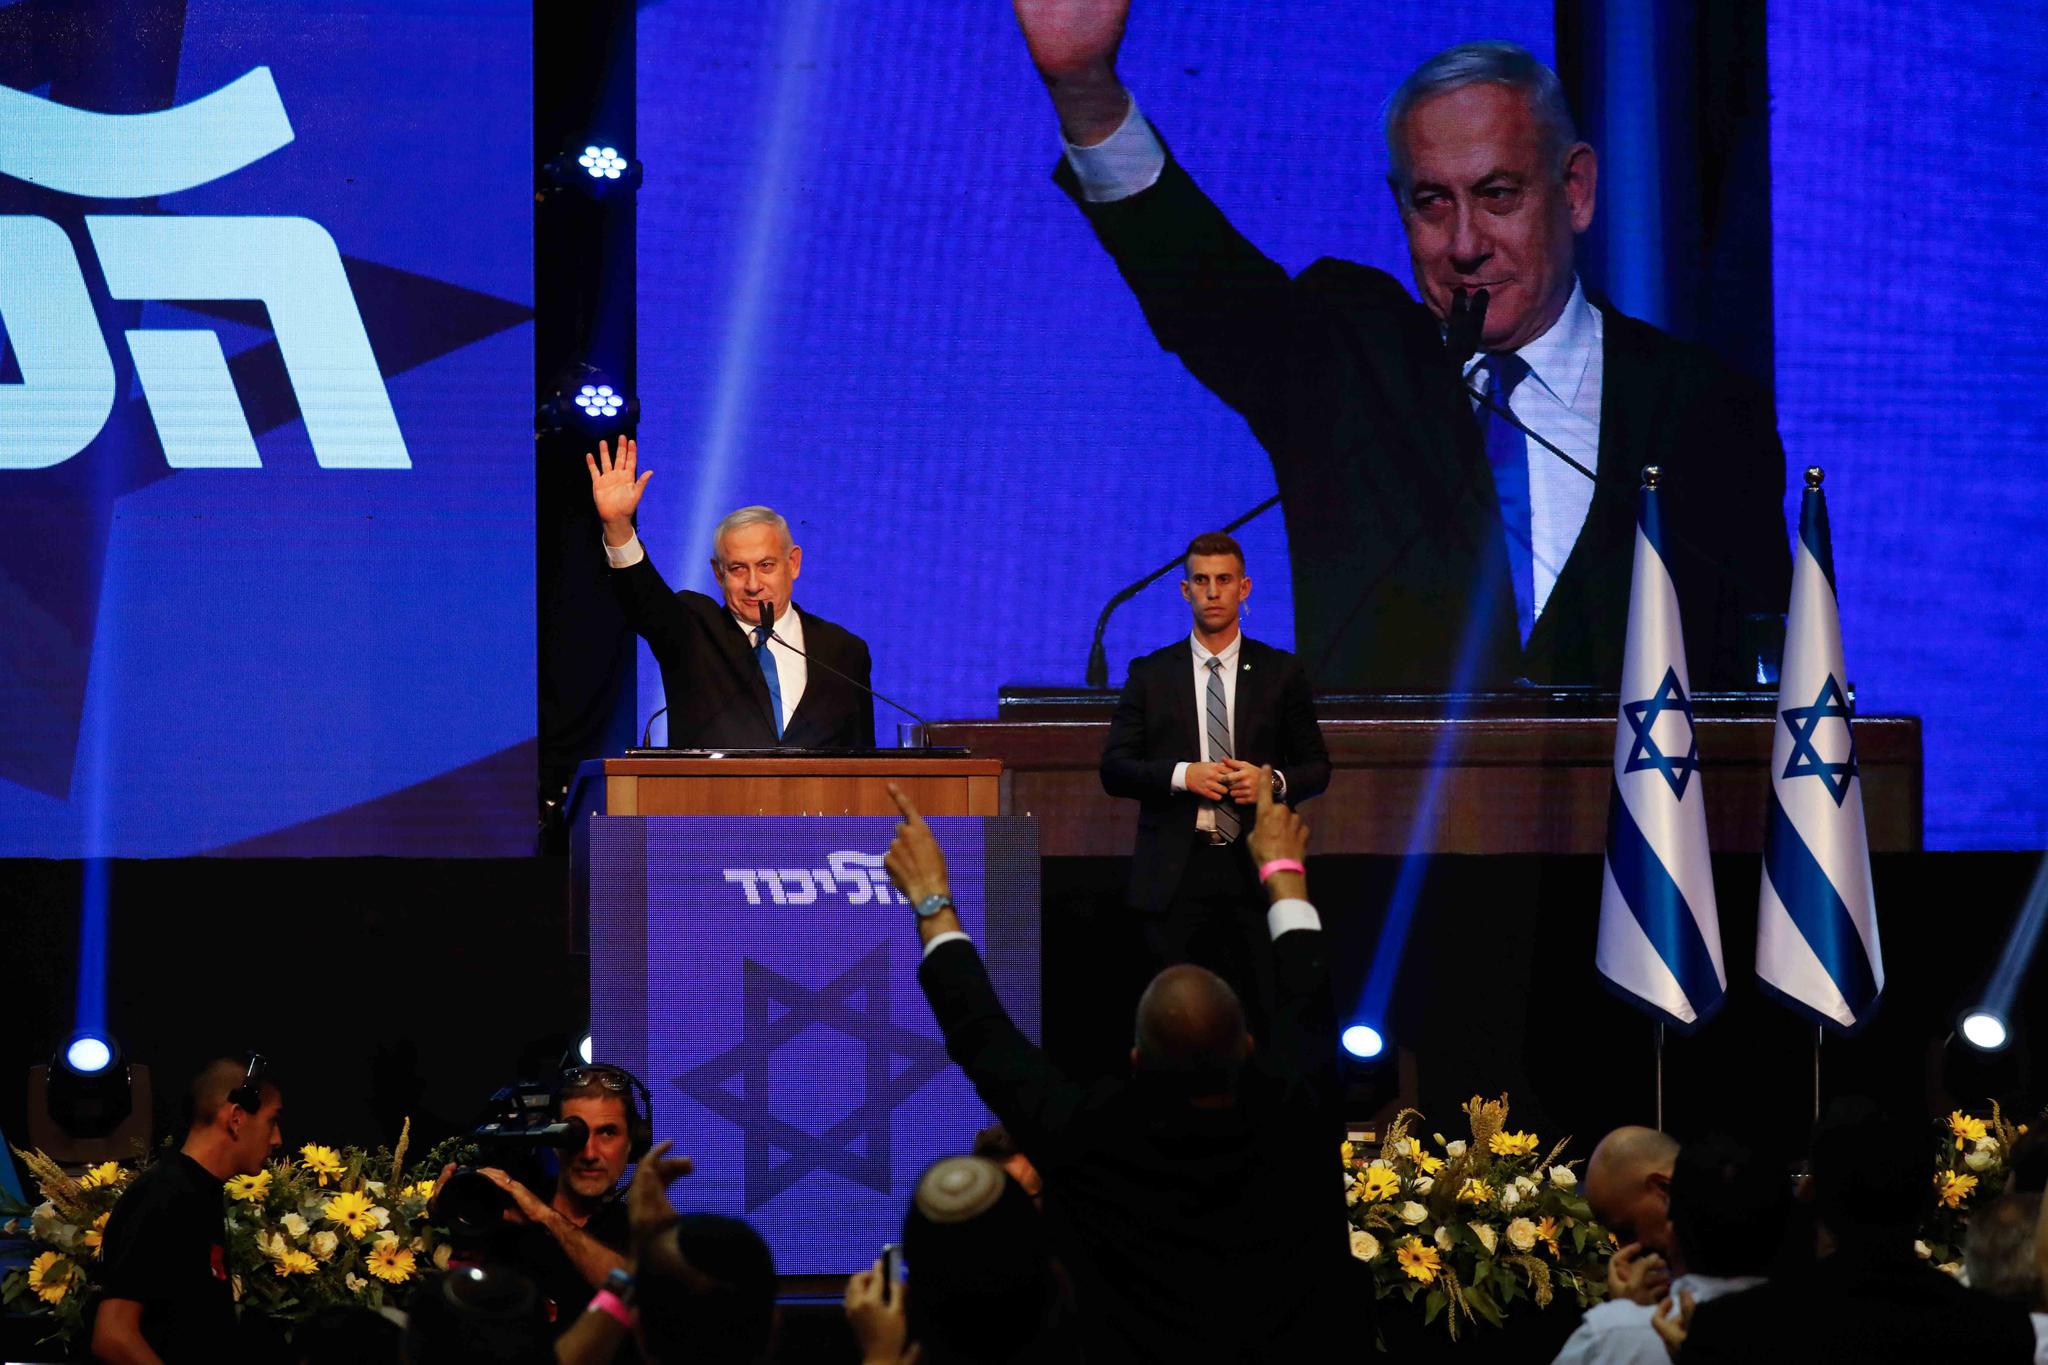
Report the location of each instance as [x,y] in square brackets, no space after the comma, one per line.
[265,428]
[862,301]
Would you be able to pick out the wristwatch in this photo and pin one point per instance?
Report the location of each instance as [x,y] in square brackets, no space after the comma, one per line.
[932,904]
[619,1283]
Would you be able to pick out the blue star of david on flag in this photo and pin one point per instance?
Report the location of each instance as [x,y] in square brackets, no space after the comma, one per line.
[1642,719]
[1803,722]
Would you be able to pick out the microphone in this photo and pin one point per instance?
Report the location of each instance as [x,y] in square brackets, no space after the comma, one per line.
[1098,660]
[768,624]
[767,619]
[1463,326]
[648,733]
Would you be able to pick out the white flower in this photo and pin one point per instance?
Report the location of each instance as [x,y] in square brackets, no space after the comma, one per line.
[381,1214]
[324,1244]
[1527,1186]
[1412,1213]
[354,1282]
[1485,1236]
[1922,1250]
[442,1253]
[1564,1177]
[1443,1238]
[385,1239]
[1521,1234]
[1979,1161]
[1364,1245]
[1510,1195]
[1379,1163]
[1423,1184]
[276,1247]
[1954,1269]
[1351,1194]
[375,1187]
[1454,1150]
[295,1225]
[1987,1143]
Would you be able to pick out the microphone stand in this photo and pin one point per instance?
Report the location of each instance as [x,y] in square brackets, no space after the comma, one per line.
[1098,660]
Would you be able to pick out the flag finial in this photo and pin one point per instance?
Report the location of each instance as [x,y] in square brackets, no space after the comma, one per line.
[1651,473]
[1814,474]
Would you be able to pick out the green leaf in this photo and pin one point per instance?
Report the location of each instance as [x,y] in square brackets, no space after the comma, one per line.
[1432,1304]
[1482,1303]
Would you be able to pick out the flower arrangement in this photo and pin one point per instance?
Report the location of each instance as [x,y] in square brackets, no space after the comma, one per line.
[333,1226]
[1969,1169]
[1469,1227]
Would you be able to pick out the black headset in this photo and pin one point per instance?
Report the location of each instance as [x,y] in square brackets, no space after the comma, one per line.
[249,1094]
[621,1082]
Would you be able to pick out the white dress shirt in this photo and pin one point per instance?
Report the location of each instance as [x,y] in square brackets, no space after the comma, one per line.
[1619,1332]
[792,670]
[1205,818]
[1560,400]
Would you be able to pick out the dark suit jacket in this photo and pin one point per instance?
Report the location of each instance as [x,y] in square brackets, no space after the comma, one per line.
[1192,1234]
[717,698]
[1157,724]
[1866,1308]
[1393,526]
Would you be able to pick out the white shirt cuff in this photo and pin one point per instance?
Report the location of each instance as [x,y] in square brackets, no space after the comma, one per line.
[1286,916]
[1127,161]
[1179,781]
[624,556]
[949,936]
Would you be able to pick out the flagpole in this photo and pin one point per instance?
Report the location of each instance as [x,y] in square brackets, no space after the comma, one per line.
[1659,1029]
[1818,1034]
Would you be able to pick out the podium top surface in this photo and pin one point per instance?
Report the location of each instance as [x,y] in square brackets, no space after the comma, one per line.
[771,764]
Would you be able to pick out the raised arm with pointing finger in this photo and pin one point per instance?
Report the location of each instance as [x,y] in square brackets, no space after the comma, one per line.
[732,683]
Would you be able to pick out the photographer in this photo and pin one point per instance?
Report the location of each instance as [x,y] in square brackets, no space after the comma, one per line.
[568,1243]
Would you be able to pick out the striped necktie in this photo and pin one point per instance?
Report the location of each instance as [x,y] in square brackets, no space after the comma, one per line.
[1217,722]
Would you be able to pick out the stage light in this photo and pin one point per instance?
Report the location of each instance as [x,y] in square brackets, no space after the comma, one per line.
[594,168]
[603,163]
[583,1049]
[587,400]
[1363,1041]
[599,400]
[88,1055]
[1985,1031]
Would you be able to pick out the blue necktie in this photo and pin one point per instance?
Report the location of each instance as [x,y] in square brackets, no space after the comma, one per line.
[763,657]
[1507,450]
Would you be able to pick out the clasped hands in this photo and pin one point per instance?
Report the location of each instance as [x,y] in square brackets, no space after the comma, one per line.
[1232,779]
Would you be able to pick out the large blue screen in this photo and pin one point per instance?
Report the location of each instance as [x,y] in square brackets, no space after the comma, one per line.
[265,428]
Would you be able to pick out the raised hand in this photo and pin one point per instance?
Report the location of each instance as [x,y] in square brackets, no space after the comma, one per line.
[614,486]
[915,861]
[1278,832]
[1073,44]
[648,1209]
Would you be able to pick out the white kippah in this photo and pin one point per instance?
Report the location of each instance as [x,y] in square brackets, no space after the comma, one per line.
[959,1188]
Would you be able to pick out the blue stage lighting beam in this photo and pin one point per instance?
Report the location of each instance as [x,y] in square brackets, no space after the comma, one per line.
[2015,957]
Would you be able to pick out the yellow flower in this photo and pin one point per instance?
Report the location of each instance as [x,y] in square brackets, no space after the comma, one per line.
[321,1161]
[423,1190]
[390,1262]
[249,1188]
[96,1234]
[1514,1144]
[50,1276]
[1347,1151]
[1429,1163]
[294,1263]
[351,1209]
[1955,1188]
[1379,1183]
[1546,1232]
[1475,1192]
[1418,1261]
[106,1173]
[1966,1129]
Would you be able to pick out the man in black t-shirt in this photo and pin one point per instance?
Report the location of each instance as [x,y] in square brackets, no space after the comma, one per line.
[167,1293]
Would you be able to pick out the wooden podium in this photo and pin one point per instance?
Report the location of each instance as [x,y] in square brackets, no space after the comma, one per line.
[797,786]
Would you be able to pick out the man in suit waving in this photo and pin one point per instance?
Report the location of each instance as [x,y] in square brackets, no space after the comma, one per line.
[731,682]
[1194,724]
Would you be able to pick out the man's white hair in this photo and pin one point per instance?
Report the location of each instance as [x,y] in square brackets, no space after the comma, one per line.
[747,516]
[1484,63]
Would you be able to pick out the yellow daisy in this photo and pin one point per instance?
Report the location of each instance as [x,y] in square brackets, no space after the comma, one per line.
[1429,1163]
[423,1190]
[249,1188]
[391,1262]
[294,1263]
[1418,1261]
[321,1161]
[50,1276]
[1966,1129]
[1347,1150]
[1955,1189]
[106,1173]
[1513,1144]
[1475,1192]
[351,1209]
[96,1234]
[1378,1183]
[1546,1232]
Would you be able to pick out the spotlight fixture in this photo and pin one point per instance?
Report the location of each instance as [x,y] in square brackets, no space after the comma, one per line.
[88,1054]
[583,1049]
[595,167]
[588,401]
[90,1103]
[1985,1031]
[1363,1041]
[603,163]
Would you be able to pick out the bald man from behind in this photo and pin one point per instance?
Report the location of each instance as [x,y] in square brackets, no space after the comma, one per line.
[1628,1185]
[1191,1201]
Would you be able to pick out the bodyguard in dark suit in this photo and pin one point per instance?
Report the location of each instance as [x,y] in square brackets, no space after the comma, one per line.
[1192,1203]
[1433,544]
[728,685]
[1187,743]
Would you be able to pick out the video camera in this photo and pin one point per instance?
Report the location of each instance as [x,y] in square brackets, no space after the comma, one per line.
[516,1126]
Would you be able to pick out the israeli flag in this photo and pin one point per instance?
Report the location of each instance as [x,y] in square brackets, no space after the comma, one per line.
[1660,936]
[1816,922]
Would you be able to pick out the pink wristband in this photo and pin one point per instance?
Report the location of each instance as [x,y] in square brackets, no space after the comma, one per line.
[604,1301]
[1280,865]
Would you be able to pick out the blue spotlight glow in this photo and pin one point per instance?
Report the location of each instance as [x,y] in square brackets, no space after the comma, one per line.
[599,400]
[88,1055]
[1363,1040]
[602,163]
[1984,1031]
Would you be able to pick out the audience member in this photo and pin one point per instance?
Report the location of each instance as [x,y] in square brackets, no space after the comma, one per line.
[1628,1185]
[1868,1297]
[164,1271]
[1998,1250]
[477,1315]
[995,1143]
[1193,1203]
[1727,1210]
